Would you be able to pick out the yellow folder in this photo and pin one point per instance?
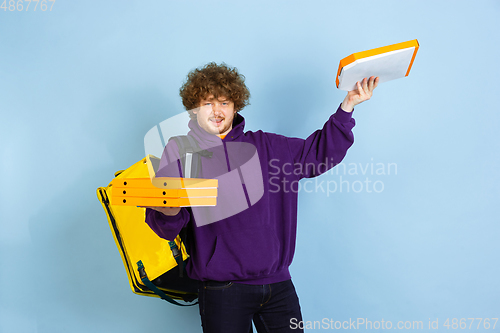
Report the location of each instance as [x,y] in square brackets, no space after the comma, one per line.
[388,63]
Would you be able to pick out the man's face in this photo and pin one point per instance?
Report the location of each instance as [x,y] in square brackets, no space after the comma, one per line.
[215,115]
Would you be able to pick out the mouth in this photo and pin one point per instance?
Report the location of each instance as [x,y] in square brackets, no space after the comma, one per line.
[216,121]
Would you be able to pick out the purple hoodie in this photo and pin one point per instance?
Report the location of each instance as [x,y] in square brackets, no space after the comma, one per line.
[250,239]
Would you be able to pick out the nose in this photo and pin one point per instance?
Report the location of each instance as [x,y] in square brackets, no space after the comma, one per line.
[216,109]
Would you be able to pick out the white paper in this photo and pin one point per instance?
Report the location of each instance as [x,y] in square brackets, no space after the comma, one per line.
[387,66]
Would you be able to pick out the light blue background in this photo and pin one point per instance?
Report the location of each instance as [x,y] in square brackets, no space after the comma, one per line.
[81,85]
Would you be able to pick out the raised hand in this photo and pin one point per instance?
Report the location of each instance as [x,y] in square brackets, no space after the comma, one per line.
[363,93]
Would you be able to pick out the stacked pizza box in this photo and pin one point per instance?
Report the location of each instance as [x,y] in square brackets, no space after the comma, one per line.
[388,63]
[163,191]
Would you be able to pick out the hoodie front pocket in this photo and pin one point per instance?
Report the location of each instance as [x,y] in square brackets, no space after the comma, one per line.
[244,255]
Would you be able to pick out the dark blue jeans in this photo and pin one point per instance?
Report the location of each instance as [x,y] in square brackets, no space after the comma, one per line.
[227,307]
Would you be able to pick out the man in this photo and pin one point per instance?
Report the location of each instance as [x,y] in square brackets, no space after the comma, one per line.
[241,259]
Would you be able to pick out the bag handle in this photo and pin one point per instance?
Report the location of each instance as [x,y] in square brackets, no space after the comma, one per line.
[153,288]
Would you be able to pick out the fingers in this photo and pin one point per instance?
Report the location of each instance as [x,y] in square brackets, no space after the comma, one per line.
[360,89]
[373,83]
[370,83]
[365,85]
[363,91]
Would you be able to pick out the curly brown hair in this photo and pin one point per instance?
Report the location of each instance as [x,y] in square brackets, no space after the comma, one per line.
[217,80]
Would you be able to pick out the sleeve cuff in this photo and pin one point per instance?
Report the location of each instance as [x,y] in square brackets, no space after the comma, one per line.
[180,217]
[342,115]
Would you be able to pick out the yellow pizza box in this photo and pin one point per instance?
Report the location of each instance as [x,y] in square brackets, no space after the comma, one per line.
[162,202]
[134,187]
[165,183]
[165,193]
[388,63]
[153,164]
